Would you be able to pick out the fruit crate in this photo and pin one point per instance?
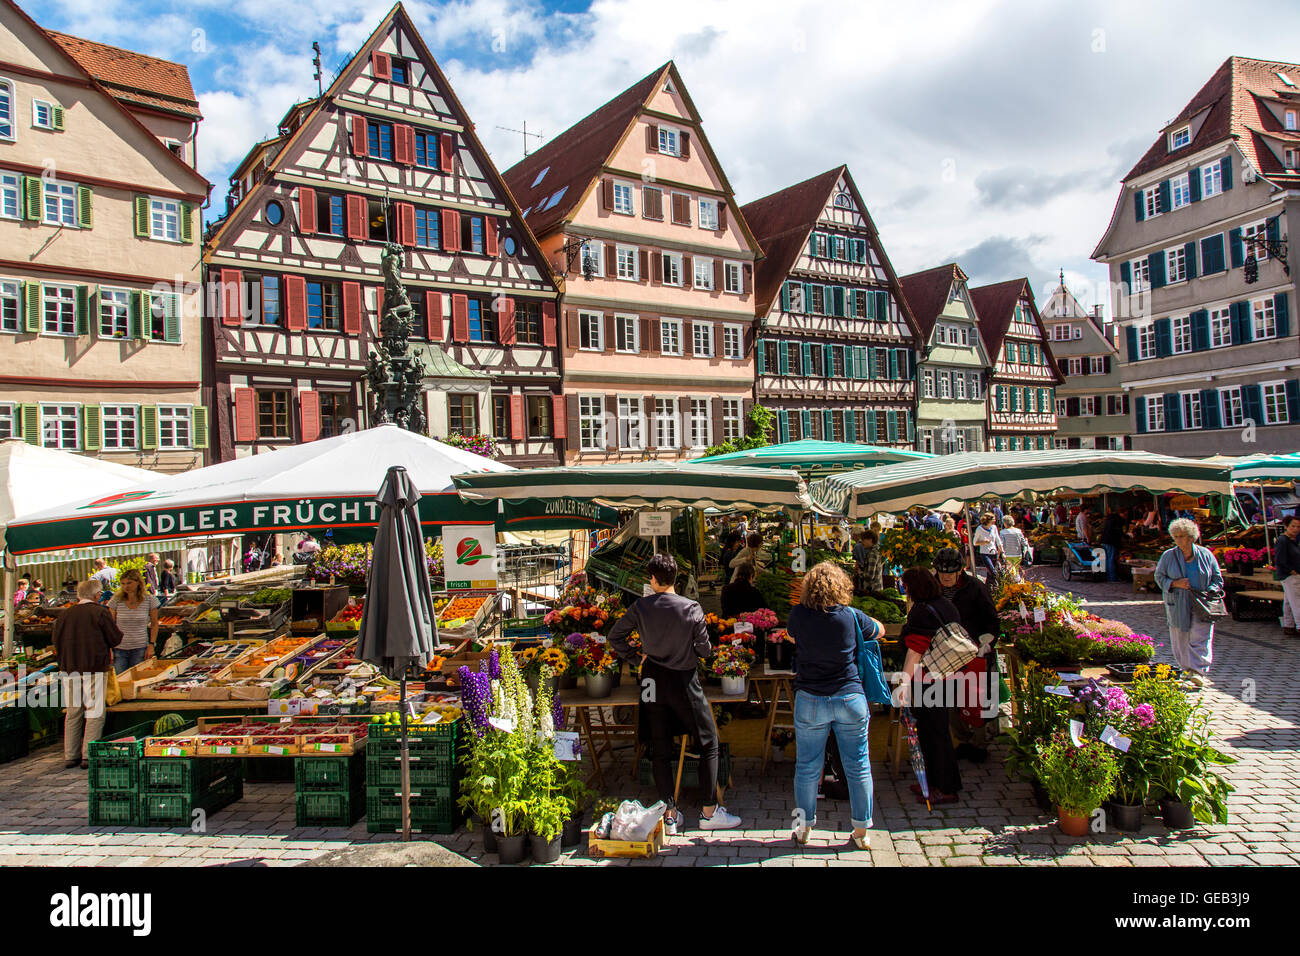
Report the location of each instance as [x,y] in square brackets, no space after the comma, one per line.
[177,809]
[384,771]
[44,725]
[316,774]
[117,747]
[434,811]
[114,808]
[329,808]
[192,777]
[437,742]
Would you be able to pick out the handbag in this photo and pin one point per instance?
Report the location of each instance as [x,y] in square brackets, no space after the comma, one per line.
[870,668]
[951,649]
[1207,604]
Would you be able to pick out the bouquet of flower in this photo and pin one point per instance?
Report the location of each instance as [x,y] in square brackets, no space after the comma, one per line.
[1159,672]
[717,626]
[731,661]
[908,549]
[534,660]
[778,635]
[584,610]
[478,444]
[762,619]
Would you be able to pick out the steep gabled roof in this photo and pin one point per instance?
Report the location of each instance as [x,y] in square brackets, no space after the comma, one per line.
[134,78]
[1064,306]
[574,158]
[781,223]
[995,305]
[927,294]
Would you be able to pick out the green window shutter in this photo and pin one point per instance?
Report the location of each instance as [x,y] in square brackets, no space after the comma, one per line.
[805,418]
[172,319]
[812,245]
[872,369]
[32,198]
[850,426]
[783,358]
[33,318]
[187,222]
[198,427]
[911,427]
[891,419]
[783,426]
[893,363]
[828,426]
[58,117]
[90,427]
[142,216]
[785,296]
[85,212]
[839,300]
[863,370]
[149,426]
[137,313]
[83,310]
[32,423]
[871,426]
[828,360]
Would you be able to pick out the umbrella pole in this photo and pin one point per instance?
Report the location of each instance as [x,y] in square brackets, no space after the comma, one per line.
[10,610]
[970,537]
[406,765]
[1263,510]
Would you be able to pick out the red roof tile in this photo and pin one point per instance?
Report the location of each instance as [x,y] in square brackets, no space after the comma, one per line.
[927,294]
[995,306]
[133,78]
[576,156]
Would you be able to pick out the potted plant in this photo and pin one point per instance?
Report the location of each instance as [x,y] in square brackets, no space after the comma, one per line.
[732,663]
[574,789]
[1077,779]
[1110,706]
[1191,790]
[780,649]
[600,665]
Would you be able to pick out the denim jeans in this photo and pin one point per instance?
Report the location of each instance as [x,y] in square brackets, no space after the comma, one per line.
[123,660]
[814,718]
[1111,573]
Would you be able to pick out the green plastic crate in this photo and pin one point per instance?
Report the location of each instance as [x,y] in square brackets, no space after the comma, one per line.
[113,774]
[384,771]
[329,808]
[11,719]
[115,747]
[434,811]
[177,809]
[316,774]
[690,770]
[186,775]
[114,808]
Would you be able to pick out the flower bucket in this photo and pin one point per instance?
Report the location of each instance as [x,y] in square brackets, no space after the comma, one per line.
[511,848]
[1177,815]
[733,686]
[1125,817]
[572,834]
[567,681]
[780,655]
[599,685]
[1071,825]
[534,682]
[545,851]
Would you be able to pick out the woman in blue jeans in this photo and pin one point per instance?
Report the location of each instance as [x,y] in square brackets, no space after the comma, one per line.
[829,696]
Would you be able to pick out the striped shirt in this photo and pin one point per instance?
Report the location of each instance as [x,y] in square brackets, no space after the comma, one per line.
[134,621]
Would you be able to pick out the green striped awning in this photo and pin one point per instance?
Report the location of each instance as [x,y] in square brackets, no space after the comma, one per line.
[645,484]
[974,475]
[1267,468]
[111,551]
[813,457]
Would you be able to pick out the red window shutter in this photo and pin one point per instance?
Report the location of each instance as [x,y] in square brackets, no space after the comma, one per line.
[517,430]
[245,415]
[722,215]
[309,415]
[446,147]
[404,144]
[548,326]
[490,236]
[607,194]
[450,230]
[359,135]
[382,65]
[506,322]
[358,228]
[232,284]
[652,138]
[643,261]
[559,420]
[459,318]
[717,276]
[306,210]
[433,314]
[748,280]
[352,308]
[611,262]
[295,303]
[406,223]
[685,140]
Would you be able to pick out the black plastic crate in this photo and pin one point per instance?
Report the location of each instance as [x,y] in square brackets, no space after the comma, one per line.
[269,769]
[329,808]
[114,808]
[11,719]
[318,774]
[186,775]
[14,744]
[434,811]
[384,771]
[177,809]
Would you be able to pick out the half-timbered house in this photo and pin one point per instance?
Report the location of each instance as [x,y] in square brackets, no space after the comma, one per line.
[1022,394]
[836,348]
[632,206]
[386,154]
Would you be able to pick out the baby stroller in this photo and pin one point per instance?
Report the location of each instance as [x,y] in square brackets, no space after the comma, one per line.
[1082,559]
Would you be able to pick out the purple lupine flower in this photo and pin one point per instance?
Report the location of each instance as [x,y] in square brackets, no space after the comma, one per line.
[475,690]
[557,713]
[494,665]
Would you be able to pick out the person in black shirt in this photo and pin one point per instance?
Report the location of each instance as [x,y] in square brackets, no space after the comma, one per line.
[730,548]
[1112,539]
[740,596]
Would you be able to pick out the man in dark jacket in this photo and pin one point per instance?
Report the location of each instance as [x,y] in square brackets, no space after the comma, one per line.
[1112,539]
[84,638]
[1287,562]
[673,639]
[979,617]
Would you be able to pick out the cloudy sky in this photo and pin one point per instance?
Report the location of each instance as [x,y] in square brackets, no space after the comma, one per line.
[992,133]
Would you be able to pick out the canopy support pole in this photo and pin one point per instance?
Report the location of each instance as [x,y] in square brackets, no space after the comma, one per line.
[970,537]
[11,610]
[1263,510]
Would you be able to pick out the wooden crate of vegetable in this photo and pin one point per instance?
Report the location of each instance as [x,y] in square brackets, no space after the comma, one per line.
[461,618]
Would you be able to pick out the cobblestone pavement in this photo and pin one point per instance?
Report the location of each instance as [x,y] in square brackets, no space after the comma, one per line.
[1253,691]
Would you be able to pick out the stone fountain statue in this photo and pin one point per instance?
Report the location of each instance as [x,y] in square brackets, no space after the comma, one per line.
[396,377]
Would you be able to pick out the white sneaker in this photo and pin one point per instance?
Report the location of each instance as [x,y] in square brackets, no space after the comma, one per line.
[721,820]
[671,825]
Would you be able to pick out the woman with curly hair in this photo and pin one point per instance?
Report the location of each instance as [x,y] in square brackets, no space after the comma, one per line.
[829,695]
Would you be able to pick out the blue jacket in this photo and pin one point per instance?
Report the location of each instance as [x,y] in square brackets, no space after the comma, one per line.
[1202,573]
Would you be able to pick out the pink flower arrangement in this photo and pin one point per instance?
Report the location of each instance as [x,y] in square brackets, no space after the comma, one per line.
[762,619]
[778,635]
[1145,715]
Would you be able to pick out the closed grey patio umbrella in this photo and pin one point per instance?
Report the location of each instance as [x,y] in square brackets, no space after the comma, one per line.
[397,623]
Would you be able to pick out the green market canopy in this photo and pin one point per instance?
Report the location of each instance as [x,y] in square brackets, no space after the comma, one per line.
[328,483]
[813,457]
[655,484]
[974,475]
[1258,468]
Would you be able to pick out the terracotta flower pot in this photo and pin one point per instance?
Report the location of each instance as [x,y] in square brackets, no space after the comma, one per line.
[1071,825]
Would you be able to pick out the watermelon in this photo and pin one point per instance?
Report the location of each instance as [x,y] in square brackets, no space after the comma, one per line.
[167,723]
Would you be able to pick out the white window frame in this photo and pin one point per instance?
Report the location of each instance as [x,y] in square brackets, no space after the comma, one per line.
[733,411]
[1178,138]
[65,199]
[594,250]
[670,141]
[1175,265]
[1190,407]
[1146,340]
[1155,412]
[797,303]
[37,106]
[1087,406]
[11,292]
[702,339]
[1151,201]
[1180,191]
[116,414]
[64,295]
[8,123]
[1289,120]
[676,326]
[623,191]
[633,273]
[596,419]
[945,384]
[1139,275]
[163,214]
[10,426]
[1263,319]
[975,392]
[11,195]
[1230,400]
[1211,179]
[665,424]
[675,259]
[927,379]
[622,323]
[707,265]
[631,428]
[1220,327]
[1275,393]
[707,221]
[1060,408]
[733,341]
[959,386]
[66,411]
[1073,366]
[1180,334]
[599,319]
[120,299]
[700,423]
[1256,230]
[1096,365]
[736,270]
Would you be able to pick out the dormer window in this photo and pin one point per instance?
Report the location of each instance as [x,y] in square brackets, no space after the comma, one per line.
[1293,159]
[1180,138]
[1290,119]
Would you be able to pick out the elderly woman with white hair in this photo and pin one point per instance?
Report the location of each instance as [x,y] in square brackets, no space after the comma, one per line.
[1183,569]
